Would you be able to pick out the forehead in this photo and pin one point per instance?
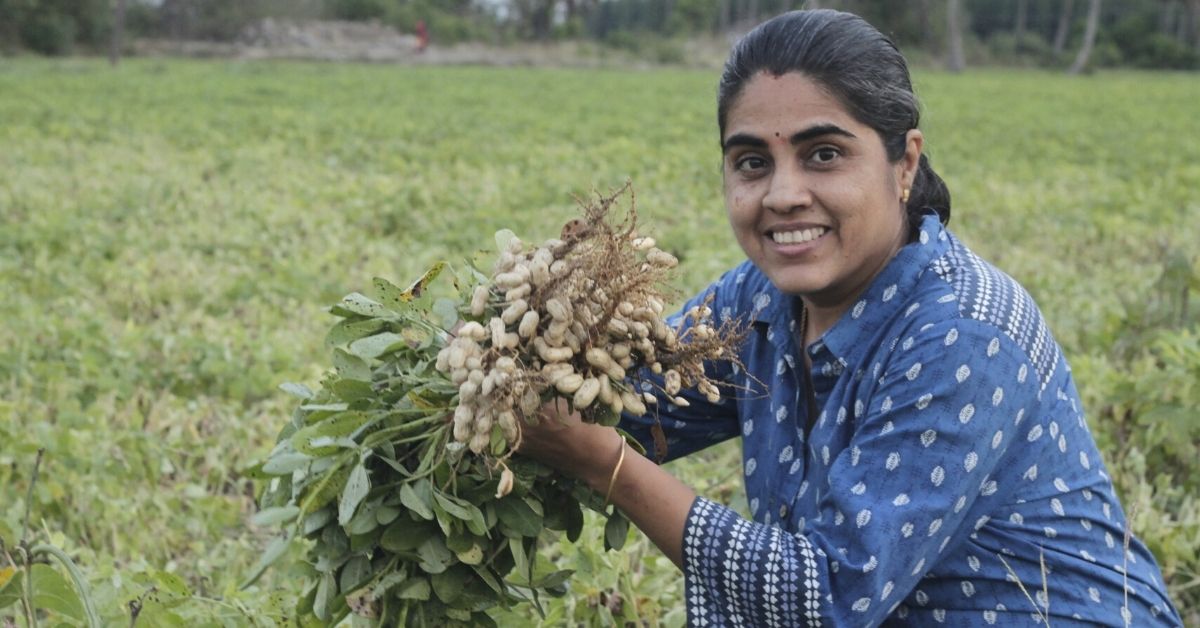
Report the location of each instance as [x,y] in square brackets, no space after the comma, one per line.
[784,104]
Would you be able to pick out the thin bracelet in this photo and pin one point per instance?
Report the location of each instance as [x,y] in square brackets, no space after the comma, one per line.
[616,470]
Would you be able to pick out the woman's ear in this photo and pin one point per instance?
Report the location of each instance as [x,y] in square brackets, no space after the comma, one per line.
[914,141]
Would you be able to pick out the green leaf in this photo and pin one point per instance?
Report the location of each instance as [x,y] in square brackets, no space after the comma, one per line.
[317,520]
[364,543]
[363,306]
[435,556]
[449,584]
[490,579]
[52,591]
[285,464]
[325,490]
[357,487]
[10,587]
[418,498]
[467,547]
[326,593]
[272,516]
[298,390]
[324,407]
[388,582]
[374,346]
[574,513]
[406,536]
[387,514]
[553,579]
[446,311]
[616,529]
[349,366]
[392,296]
[159,616]
[275,549]
[171,586]
[456,507]
[520,559]
[472,556]
[309,439]
[517,517]
[355,573]
[416,588]
[352,389]
[364,521]
[348,331]
[477,524]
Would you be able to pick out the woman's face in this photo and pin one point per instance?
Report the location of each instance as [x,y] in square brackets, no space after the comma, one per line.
[812,197]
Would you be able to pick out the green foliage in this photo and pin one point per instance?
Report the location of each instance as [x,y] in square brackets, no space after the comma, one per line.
[358,10]
[171,231]
[49,33]
[1139,37]
[1032,50]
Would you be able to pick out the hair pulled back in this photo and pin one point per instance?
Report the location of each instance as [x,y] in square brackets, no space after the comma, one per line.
[859,66]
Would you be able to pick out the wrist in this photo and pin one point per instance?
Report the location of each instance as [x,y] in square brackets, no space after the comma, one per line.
[609,454]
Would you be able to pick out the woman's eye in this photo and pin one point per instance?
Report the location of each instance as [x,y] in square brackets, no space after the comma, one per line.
[750,163]
[825,155]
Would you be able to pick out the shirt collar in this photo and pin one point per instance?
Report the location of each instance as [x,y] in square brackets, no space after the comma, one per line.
[882,299]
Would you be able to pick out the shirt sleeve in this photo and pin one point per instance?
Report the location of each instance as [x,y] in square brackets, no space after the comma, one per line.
[701,423]
[913,481]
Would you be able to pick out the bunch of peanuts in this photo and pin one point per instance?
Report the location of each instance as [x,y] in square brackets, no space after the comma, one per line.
[562,319]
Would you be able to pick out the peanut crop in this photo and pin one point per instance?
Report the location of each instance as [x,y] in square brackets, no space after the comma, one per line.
[401,472]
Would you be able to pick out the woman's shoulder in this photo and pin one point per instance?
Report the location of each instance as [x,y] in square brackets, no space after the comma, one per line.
[974,295]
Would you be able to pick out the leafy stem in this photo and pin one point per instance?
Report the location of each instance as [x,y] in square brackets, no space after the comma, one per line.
[81,585]
[37,465]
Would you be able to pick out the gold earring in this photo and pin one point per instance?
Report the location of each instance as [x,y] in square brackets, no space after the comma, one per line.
[904,196]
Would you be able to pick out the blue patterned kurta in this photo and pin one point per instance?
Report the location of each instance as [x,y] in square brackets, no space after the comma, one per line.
[949,458]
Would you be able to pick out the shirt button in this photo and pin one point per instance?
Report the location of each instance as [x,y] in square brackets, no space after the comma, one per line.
[783,511]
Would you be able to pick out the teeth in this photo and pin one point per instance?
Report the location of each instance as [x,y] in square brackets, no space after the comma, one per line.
[799,236]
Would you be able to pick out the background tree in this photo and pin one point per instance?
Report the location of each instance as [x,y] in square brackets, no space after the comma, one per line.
[1089,38]
[955,60]
[1064,26]
[118,33]
[1020,21]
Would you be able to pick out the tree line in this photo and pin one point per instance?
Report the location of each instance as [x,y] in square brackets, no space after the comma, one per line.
[1107,33]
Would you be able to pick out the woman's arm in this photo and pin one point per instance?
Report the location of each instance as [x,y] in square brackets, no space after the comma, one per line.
[897,497]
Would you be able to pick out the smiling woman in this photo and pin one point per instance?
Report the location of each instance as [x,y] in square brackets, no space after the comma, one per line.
[813,198]
[915,451]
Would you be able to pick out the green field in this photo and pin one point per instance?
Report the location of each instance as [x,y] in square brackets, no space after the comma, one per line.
[171,232]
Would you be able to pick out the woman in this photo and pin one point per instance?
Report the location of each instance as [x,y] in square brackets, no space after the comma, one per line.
[915,452]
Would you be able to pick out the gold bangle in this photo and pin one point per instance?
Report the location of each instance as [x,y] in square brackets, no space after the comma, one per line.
[612,481]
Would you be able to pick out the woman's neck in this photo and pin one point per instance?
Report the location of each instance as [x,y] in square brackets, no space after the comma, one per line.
[819,320]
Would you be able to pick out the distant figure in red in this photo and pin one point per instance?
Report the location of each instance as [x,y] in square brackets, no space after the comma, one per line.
[422,36]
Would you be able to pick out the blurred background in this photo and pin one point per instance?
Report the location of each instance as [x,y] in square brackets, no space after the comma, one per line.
[1075,34]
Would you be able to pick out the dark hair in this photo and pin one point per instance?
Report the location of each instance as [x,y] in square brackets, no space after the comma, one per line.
[859,66]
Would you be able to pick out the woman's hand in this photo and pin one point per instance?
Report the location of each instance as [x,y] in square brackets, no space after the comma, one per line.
[584,451]
[654,500]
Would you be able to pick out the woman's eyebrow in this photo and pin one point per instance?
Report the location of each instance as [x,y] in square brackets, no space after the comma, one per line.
[818,130]
[742,139]
[799,137]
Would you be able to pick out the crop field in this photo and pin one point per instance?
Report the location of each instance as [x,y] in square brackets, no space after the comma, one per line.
[172,233]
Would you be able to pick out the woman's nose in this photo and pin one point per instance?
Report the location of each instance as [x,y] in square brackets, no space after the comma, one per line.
[789,190]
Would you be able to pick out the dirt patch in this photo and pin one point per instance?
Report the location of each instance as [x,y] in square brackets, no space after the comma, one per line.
[340,41]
